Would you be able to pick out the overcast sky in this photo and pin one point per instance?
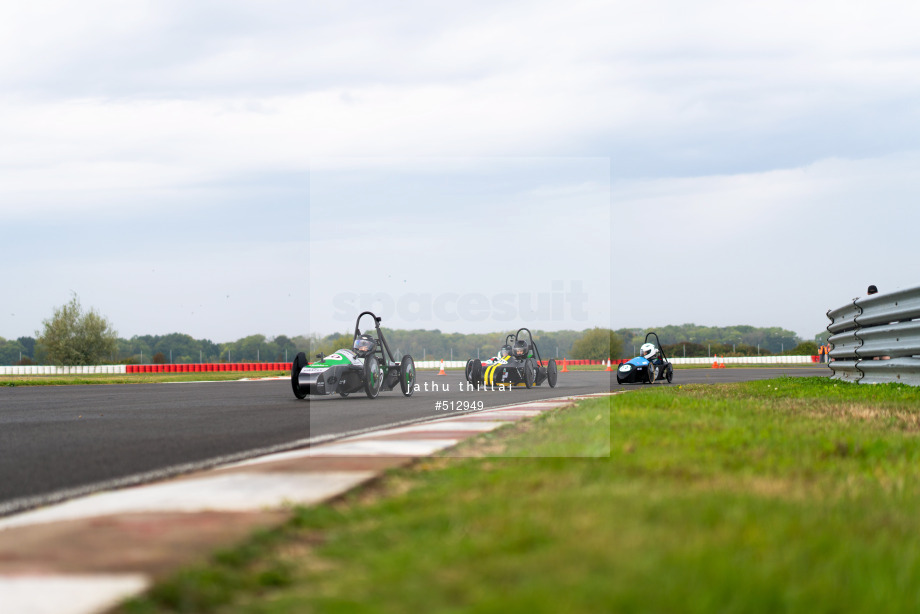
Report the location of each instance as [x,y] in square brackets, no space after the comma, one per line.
[230,168]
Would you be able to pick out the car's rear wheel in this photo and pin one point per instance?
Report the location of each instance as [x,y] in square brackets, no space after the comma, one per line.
[552,373]
[407,375]
[300,361]
[669,374]
[530,373]
[476,372]
[344,395]
[373,377]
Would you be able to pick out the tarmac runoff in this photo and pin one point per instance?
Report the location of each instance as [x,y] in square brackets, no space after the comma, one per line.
[87,554]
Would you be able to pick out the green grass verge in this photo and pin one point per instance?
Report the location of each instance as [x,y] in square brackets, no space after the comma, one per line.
[132,378]
[784,495]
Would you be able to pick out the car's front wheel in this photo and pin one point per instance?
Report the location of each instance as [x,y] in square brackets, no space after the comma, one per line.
[407,375]
[373,377]
[530,373]
[552,373]
[300,361]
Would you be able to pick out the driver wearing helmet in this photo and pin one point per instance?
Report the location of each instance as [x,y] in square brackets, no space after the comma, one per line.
[364,345]
[649,352]
[505,352]
[520,350]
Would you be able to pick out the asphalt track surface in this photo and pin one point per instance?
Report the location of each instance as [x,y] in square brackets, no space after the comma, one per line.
[57,442]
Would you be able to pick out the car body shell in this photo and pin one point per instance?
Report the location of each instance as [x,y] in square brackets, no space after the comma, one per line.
[341,372]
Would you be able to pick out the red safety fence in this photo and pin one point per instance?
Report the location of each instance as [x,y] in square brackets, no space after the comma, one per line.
[286,366]
[210,367]
[582,363]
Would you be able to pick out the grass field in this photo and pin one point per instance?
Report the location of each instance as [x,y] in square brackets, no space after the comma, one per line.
[784,495]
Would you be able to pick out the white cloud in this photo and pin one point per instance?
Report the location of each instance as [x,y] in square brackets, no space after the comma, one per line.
[733,128]
[773,248]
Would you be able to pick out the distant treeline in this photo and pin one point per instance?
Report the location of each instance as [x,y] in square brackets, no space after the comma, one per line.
[686,339]
[692,341]
[180,348]
[173,348]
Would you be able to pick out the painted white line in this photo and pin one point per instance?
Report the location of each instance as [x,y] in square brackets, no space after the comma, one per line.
[538,405]
[231,492]
[515,413]
[409,447]
[437,427]
[76,594]
[453,424]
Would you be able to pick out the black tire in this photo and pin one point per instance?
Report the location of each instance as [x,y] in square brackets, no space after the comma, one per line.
[476,372]
[552,373]
[469,370]
[300,361]
[530,373]
[651,372]
[344,395]
[373,377]
[407,375]
[669,374]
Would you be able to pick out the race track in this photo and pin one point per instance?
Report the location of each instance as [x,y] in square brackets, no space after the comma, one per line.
[62,441]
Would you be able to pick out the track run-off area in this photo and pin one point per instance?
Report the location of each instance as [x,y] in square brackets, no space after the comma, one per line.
[60,442]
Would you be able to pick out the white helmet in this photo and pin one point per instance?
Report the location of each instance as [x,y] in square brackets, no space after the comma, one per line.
[647,351]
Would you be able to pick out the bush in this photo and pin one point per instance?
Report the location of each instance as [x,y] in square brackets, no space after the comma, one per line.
[74,337]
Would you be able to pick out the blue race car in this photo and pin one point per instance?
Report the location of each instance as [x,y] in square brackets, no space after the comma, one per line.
[649,366]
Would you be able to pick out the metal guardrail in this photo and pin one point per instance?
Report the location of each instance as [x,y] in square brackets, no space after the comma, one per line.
[876,339]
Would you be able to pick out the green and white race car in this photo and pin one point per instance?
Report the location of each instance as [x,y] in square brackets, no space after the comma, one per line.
[368,366]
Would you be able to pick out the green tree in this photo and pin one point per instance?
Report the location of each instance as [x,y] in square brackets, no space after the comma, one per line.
[73,336]
[597,344]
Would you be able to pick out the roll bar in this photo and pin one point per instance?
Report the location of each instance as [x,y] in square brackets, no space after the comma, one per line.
[385,349]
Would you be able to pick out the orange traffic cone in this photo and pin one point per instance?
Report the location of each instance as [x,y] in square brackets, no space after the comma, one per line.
[564,368]
[609,366]
[715,362]
[441,372]
[722,364]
